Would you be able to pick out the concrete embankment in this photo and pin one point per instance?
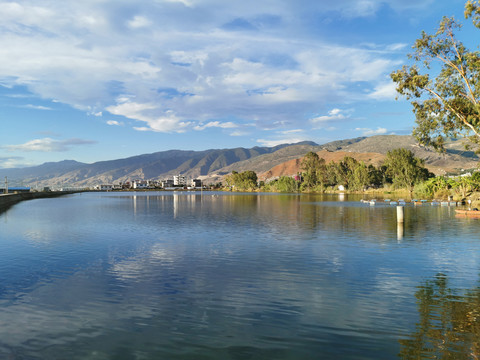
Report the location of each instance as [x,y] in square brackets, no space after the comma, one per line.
[8,200]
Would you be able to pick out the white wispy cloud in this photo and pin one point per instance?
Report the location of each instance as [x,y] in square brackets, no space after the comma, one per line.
[239,133]
[292,131]
[218,124]
[48,145]
[370,132]
[114,123]
[384,91]
[275,142]
[12,162]
[37,107]
[333,115]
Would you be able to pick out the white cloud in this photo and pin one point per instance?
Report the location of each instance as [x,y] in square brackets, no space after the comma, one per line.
[148,113]
[396,47]
[114,123]
[239,133]
[37,107]
[179,75]
[333,115]
[370,132]
[12,162]
[384,91]
[292,131]
[48,145]
[275,142]
[139,22]
[225,125]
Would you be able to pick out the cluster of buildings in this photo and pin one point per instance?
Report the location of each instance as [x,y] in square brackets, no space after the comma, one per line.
[178,181]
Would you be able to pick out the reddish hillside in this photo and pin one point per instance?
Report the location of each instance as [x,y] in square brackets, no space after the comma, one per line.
[292,167]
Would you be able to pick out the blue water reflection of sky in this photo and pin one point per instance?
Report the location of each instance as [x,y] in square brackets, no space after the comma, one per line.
[220,275]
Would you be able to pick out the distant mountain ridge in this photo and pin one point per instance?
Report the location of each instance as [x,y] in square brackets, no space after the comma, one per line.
[156,166]
[211,165]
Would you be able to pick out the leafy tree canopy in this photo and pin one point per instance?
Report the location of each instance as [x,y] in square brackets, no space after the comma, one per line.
[405,169]
[246,180]
[445,98]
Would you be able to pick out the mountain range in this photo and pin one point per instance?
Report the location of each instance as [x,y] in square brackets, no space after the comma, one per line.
[212,165]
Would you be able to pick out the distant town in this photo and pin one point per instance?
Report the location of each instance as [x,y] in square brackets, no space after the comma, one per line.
[178,181]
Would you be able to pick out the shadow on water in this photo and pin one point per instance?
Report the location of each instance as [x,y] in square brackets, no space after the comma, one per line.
[449,323]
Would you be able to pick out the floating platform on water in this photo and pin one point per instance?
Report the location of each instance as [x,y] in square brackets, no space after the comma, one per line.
[402,202]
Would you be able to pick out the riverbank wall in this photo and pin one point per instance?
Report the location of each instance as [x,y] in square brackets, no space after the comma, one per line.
[8,200]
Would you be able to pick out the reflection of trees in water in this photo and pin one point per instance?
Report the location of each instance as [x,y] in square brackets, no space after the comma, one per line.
[288,212]
[449,325]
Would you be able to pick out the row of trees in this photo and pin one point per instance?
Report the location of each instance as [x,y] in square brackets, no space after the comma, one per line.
[401,169]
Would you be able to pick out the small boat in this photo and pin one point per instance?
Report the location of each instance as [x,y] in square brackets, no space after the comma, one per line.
[468,212]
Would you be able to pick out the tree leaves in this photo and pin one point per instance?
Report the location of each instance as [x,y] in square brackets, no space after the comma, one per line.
[445,96]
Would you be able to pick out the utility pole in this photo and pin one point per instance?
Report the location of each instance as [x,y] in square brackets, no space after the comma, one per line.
[6,185]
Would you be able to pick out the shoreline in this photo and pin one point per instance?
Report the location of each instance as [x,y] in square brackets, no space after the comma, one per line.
[8,200]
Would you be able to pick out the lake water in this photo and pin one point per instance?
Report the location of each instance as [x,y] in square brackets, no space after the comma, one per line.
[163,275]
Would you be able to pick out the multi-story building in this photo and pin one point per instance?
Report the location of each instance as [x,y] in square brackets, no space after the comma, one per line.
[196,183]
[179,180]
[167,183]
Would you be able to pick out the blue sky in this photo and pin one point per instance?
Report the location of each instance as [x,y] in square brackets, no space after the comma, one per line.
[96,80]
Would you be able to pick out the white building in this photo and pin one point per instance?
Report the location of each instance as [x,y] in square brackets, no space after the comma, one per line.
[179,180]
[104,187]
[140,184]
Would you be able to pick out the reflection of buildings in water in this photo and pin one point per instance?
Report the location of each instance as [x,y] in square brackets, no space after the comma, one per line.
[175,204]
[341,197]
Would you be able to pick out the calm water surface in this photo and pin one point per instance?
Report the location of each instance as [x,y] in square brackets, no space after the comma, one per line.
[220,276]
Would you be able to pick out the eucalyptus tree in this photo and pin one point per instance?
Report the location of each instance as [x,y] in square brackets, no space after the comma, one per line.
[443,83]
[405,169]
[313,168]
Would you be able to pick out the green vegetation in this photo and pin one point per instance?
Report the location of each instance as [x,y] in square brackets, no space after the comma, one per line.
[284,184]
[400,173]
[445,98]
[405,169]
[244,181]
